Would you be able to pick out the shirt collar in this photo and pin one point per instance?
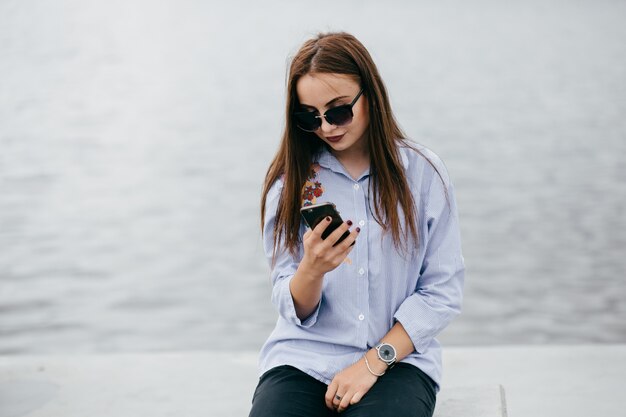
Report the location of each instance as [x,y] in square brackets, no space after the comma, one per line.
[404,157]
[327,160]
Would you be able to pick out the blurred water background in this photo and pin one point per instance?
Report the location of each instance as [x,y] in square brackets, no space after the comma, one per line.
[134,137]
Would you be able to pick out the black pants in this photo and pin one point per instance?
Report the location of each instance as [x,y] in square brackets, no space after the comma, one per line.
[284,391]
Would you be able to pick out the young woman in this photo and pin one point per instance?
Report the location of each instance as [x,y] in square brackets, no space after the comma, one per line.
[357,317]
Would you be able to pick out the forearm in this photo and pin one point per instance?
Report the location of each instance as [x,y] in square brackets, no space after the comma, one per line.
[306,290]
[320,256]
[399,339]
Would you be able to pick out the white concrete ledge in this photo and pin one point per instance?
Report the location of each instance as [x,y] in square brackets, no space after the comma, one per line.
[540,381]
[471,401]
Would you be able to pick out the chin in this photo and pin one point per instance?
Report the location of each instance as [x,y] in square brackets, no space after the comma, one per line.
[337,146]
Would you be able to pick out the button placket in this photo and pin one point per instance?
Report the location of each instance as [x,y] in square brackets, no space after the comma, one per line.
[361,261]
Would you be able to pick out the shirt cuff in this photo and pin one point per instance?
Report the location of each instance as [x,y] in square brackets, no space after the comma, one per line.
[421,321]
[286,307]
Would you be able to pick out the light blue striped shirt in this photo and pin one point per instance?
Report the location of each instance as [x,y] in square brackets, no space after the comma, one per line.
[377,285]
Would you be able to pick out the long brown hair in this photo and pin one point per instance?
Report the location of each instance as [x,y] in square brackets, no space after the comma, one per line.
[341,53]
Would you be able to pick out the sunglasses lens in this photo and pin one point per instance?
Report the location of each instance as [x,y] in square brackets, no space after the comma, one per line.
[307,121]
[340,115]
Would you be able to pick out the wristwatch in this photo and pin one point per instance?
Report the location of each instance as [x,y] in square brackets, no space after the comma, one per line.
[386,353]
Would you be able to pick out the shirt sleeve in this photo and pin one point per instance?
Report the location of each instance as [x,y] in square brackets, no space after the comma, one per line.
[439,291]
[283,265]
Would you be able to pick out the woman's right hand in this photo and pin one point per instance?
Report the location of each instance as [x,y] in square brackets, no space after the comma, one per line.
[320,256]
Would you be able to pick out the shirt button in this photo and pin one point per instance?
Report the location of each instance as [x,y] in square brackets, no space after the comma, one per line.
[362,223]
[356,186]
[361,317]
[361,271]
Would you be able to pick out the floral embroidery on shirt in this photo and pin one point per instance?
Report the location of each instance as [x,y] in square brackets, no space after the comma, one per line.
[312,187]
[312,190]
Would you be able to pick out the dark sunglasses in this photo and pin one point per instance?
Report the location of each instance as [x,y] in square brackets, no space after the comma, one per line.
[310,121]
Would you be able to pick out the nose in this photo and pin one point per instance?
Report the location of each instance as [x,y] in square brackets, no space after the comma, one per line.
[326,127]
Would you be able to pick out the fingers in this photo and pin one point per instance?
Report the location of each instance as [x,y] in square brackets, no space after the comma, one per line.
[321,227]
[335,236]
[332,239]
[348,243]
[326,254]
[329,398]
[356,398]
[342,402]
[346,400]
[336,401]
[342,237]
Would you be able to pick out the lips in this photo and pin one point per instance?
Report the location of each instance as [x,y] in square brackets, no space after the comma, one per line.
[334,138]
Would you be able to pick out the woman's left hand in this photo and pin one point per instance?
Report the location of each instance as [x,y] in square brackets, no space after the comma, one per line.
[349,386]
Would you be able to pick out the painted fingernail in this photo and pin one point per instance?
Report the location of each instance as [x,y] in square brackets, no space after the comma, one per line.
[327,218]
[349,222]
[358,229]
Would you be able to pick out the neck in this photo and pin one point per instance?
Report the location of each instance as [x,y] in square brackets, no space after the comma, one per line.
[355,161]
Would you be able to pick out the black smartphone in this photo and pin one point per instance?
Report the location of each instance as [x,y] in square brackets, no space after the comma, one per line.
[316,213]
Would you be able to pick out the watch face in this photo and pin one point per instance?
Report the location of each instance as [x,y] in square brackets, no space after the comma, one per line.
[387,352]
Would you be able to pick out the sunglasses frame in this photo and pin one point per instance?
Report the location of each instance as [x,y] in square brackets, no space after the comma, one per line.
[325,115]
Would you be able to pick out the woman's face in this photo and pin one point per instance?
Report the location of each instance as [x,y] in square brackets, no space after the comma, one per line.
[320,92]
